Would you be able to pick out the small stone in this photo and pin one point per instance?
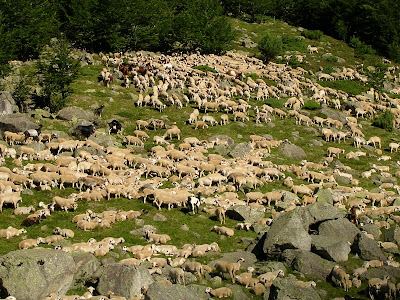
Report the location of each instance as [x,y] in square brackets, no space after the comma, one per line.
[159,217]
[44,228]
[184,227]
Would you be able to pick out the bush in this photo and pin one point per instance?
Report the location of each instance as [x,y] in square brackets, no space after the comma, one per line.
[384,121]
[360,48]
[204,68]
[312,34]
[270,46]
[293,43]
[273,102]
[332,59]
[311,105]
[328,70]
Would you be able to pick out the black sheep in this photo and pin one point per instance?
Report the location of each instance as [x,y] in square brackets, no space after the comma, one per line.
[99,110]
[33,133]
[114,127]
[86,130]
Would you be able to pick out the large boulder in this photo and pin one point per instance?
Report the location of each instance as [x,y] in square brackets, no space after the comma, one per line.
[245,213]
[158,291]
[7,103]
[240,150]
[325,195]
[392,234]
[124,280]
[381,272]
[334,114]
[285,288]
[340,228]
[249,258]
[86,266]
[292,151]
[320,212]
[367,248]
[16,123]
[287,232]
[35,273]
[73,113]
[308,263]
[330,249]
[105,140]
[376,232]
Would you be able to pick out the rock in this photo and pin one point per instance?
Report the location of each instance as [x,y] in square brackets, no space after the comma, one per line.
[316,143]
[35,273]
[292,151]
[249,258]
[287,232]
[325,195]
[285,288]
[222,138]
[16,123]
[319,212]
[41,113]
[237,292]
[330,249]
[245,213]
[124,280]
[158,291]
[105,140]
[240,150]
[269,266]
[86,265]
[88,59]
[390,235]
[308,263]
[141,231]
[7,103]
[159,217]
[184,227]
[367,248]
[342,180]
[27,192]
[376,232]
[70,113]
[334,114]
[339,229]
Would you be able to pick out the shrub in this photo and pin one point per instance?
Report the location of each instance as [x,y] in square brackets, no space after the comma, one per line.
[292,43]
[332,59]
[270,46]
[204,68]
[360,48]
[312,34]
[328,70]
[273,102]
[384,121]
[311,105]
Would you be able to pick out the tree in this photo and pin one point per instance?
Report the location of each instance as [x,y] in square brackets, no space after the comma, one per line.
[56,71]
[22,92]
[376,78]
[270,46]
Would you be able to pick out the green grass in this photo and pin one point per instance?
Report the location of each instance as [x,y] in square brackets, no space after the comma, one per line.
[348,86]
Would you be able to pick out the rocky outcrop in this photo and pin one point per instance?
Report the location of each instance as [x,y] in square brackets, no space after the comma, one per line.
[240,150]
[35,273]
[73,113]
[86,266]
[367,248]
[292,151]
[16,123]
[158,291]
[123,280]
[330,249]
[245,213]
[7,103]
[285,288]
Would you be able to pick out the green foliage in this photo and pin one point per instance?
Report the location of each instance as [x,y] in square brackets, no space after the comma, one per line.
[312,34]
[291,43]
[376,77]
[394,52]
[56,71]
[311,105]
[205,68]
[328,70]
[273,102]
[348,86]
[332,59]
[361,50]
[270,46]
[22,92]
[384,121]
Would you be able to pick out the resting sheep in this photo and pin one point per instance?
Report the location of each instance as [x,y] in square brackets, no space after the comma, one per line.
[219,293]
[270,276]
[10,232]
[223,230]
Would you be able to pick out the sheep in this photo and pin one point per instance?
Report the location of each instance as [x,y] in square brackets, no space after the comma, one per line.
[335,152]
[157,238]
[29,243]
[177,275]
[10,232]
[312,49]
[223,230]
[270,276]
[64,203]
[222,292]
[52,239]
[259,289]
[194,267]
[23,210]
[302,189]
[176,262]
[228,267]
[66,233]
[87,225]
[375,285]
[10,198]
[340,278]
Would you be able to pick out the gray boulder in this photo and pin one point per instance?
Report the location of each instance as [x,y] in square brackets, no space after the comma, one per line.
[35,273]
[334,114]
[320,212]
[158,291]
[391,235]
[240,150]
[7,103]
[308,263]
[16,123]
[245,213]
[339,229]
[381,272]
[285,288]
[292,151]
[105,140]
[73,113]
[376,232]
[325,195]
[86,266]
[330,249]
[249,258]
[159,217]
[367,248]
[141,231]
[124,280]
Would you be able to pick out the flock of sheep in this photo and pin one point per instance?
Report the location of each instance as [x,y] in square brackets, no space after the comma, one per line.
[209,182]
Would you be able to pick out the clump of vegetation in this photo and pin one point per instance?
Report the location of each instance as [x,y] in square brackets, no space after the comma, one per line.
[293,43]
[384,121]
[328,70]
[361,50]
[312,34]
[347,86]
[332,59]
[204,68]
[311,105]
[270,46]
[273,102]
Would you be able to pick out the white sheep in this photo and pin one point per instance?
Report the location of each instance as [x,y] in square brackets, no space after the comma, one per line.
[223,230]
[177,275]
[11,232]
[270,276]
[219,293]
[228,267]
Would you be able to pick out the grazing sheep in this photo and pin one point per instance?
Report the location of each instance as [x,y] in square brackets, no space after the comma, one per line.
[220,213]
[66,233]
[177,275]
[228,267]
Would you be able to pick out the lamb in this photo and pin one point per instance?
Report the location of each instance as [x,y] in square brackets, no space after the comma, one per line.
[52,239]
[247,280]
[270,276]
[29,243]
[223,230]
[219,293]
[302,189]
[375,140]
[10,232]
[259,289]
[87,225]
[177,275]
[312,49]
[335,152]
[394,147]
[220,213]
[176,262]
[157,238]
[228,267]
